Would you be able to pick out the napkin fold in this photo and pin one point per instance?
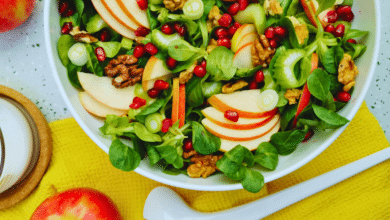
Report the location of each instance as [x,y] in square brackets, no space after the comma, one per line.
[78,162]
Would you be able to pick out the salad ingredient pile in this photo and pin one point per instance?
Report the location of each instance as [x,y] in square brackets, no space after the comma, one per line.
[204,87]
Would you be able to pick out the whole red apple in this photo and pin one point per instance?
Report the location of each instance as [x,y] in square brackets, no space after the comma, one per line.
[14,12]
[77,204]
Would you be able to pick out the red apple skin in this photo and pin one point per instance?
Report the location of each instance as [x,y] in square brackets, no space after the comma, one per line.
[14,12]
[77,204]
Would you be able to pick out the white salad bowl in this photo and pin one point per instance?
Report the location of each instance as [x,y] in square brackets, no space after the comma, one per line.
[367,18]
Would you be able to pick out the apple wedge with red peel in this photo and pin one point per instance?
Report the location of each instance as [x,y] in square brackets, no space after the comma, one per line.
[248,38]
[240,135]
[154,70]
[111,21]
[252,145]
[115,10]
[132,10]
[102,90]
[243,57]
[240,33]
[96,108]
[310,7]
[245,103]
[218,118]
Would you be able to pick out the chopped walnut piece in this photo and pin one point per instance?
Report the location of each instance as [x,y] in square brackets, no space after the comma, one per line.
[213,17]
[300,29]
[203,165]
[124,70]
[347,72]
[189,154]
[82,36]
[187,74]
[262,52]
[272,7]
[174,5]
[232,87]
[292,95]
[212,45]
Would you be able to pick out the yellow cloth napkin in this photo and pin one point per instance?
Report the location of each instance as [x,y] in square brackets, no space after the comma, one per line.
[78,162]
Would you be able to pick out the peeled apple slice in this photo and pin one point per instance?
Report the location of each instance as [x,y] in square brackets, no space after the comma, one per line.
[268,99]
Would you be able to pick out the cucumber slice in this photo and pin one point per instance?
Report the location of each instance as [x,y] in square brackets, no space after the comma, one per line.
[193,9]
[161,40]
[153,122]
[268,100]
[78,54]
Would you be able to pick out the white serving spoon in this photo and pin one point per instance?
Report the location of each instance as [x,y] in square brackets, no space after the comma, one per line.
[165,204]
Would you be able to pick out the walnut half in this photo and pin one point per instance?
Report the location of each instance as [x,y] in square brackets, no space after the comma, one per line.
[347,72]
[232,87]
[262,52]
[174,5]
[203,165]
[292,95]
[124,70]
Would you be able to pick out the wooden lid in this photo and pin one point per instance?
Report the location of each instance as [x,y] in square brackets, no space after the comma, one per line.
[20,191]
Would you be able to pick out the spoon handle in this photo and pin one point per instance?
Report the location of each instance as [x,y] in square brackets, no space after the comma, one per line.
[275,202]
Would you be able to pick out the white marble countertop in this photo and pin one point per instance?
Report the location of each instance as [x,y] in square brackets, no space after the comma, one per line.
[24,67]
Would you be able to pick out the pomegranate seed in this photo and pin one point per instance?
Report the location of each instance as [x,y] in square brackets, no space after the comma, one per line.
[221,33]
[167,29]
[330,29]
[63,6]
[100,54]
[166,124]
[334,99]
[139,51]
[139,100]
[348,17]
[343,10]
[105,36]
[187,145]
[280,31]
[231,115]
[135,105]
[203,63]
[273,43]
[153,93]
[352,41]
[253,85]
[142,4]
[233,9]
[331,17]
[308,135]
[200,71]
[269,33]
[343,96]
[160,85]
[68,12]
[171,63]
[259,76]
[181,29]
[225,20]
[339,32]
[224,42]
[66,28]
[141,32]
[151,49]
[237,25]
[232,29]
[243,4]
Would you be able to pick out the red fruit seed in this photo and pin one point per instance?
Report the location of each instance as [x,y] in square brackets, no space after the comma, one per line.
[352,41]
[308,135]
[171,63]
[221,33]
[243,4]
[348,17]
[100,54]
[203,63]
[141,32]
[68,13]
[224,42]
[259,76]
[187,145]
[233,9]
[66,28]
[166,124]
[231,115]
[139,100]
[343,96]
[153,93]
[135,105]
[273,43]
[343,10]
[142,4]
[340,30]
[139,51]
[225,20]
[151,49]
[331,17]
[231,30]
[237,25]
[200,71]
[280,31]
[330,29]
[167,29]
[160,85]
[253,85]
[63,7]
[105,36]
[181,29]
[269,33]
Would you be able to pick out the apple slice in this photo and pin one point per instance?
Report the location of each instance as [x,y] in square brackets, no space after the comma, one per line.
[116,12]
[243,102]
[154,69]
[101,89]
[240,33]
[240,135]
[218,118]
[132,10]
[243,57]
[253,14]
[96,108]
[111,21]
[227,145]
[248,38]
[310,7]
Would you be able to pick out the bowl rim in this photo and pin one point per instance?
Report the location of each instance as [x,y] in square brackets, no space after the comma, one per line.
[358,102]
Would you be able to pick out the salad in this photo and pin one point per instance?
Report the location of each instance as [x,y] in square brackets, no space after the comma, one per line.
[210,87]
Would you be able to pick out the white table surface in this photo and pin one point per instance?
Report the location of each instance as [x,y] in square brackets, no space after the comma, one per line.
[24,67]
